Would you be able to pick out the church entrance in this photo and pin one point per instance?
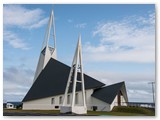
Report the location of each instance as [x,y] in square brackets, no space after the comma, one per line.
[119,98]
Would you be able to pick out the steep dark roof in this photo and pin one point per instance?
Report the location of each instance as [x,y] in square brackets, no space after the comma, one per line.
[53,79]
[108,93]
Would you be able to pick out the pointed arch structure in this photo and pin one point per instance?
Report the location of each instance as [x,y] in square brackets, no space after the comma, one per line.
[47,51]
[72,82]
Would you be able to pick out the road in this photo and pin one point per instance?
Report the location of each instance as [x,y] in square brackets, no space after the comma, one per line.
[38,114]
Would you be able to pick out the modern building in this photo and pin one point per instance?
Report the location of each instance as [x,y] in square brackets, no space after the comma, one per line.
[48,88]
[13,105]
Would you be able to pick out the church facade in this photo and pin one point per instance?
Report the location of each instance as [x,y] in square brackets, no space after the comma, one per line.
[51,76]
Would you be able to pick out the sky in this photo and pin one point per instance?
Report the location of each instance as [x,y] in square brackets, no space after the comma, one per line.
[118,44]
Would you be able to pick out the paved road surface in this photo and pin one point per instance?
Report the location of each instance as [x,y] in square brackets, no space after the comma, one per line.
[36,114]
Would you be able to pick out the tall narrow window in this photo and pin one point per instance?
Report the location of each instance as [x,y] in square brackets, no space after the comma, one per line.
[76,100]
[86,94]
[52,101]
[68,99]
[60,100]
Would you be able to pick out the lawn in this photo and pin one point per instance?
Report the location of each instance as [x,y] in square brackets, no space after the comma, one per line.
[117,111]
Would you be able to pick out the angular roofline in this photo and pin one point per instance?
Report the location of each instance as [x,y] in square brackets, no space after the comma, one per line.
[102,89]
[43,73]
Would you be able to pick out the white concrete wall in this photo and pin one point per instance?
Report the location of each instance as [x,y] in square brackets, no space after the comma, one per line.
[88,99]
[101,106]
[54,55]
[115,102]
[123,102]
[39,66]
[43,60]
[45,103]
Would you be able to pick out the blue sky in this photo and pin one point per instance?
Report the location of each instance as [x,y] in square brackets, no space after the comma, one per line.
[118,44]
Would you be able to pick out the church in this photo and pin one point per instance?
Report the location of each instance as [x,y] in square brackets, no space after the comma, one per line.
[51,78]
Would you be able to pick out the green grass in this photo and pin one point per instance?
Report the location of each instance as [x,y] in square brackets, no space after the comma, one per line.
[117,111]
[125,111]
[99,113]
[136,110]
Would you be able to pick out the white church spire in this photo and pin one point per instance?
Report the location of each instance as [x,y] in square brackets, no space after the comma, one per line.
[73,79]
[48,51]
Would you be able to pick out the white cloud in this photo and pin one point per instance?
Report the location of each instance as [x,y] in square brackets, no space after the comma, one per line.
[16,82]
[113,77]
[137,86]
[14,40]
[131,39]
[139,95]
[81,25]
[39,23]
[17,15]
[20,17]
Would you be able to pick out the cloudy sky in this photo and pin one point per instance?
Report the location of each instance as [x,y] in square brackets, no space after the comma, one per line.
[118,44]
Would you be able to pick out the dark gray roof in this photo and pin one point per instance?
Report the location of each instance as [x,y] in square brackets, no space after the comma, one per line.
[53,79]
[108,93]
[16,103]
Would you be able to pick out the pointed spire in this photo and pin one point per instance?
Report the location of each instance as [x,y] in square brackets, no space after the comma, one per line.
[76,68]
[48,34]
[47,51]
[79,41]
[54,29]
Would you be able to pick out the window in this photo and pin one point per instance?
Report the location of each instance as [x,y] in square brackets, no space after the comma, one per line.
[60,100]
[85,94]
[52,101]
[68,99]
[57,107]
[76,100]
